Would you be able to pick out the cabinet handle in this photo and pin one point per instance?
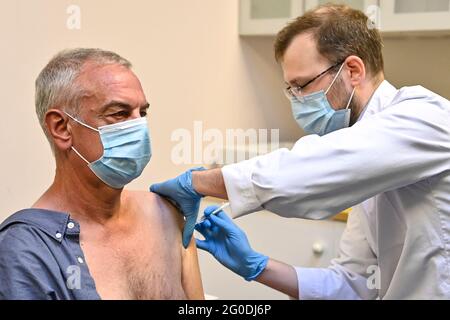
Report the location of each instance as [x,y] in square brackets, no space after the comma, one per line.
[318,248]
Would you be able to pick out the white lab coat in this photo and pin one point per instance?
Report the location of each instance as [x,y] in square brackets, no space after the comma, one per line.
[395,163]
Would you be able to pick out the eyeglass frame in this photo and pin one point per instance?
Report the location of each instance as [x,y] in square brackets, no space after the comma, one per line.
[290,95]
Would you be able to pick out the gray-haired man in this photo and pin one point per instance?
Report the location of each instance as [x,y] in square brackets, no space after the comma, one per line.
[92,109]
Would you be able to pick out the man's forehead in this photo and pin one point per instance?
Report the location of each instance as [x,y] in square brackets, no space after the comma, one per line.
[107,74]
[112,82]
[301,57]
[302,49]
[109,78]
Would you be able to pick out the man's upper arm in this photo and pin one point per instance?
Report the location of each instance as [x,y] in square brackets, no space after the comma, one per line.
[190,277]
[190,273]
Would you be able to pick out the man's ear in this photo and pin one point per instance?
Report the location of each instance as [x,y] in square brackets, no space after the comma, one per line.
[356,70]
[58,128]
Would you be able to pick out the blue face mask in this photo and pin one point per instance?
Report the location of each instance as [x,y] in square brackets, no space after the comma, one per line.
[315,115]
[126,151]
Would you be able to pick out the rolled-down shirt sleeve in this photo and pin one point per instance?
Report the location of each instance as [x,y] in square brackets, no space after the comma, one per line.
[322,176]
[352,276]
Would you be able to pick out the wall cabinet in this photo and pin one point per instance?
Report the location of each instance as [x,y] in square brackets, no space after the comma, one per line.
[357,4]
[267,17]
[428,17]
[295,241]
[415,16]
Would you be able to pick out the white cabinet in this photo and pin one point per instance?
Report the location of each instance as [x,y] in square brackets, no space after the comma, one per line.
[267,17]
[294,241]
[357,4]
[415,16]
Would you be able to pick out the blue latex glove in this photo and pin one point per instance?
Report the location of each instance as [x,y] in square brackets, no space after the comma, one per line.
[229,245]
[182,194]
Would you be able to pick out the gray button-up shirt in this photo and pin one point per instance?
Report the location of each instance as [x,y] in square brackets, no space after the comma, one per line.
[41,258]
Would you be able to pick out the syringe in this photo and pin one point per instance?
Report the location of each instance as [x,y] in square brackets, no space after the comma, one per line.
[223,206]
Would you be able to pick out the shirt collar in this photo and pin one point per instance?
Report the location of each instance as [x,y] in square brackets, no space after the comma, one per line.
[380,99]
[53,223]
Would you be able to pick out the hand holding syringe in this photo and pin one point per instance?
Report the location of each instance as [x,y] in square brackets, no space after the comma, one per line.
[223,206]
[229,244]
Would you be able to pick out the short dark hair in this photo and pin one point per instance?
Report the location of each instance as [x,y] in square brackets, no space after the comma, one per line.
[339,31]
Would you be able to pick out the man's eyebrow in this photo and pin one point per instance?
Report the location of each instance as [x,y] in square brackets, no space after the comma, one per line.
[296,81]
[121,104]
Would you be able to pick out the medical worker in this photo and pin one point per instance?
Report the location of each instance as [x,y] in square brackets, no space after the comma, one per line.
[382,150]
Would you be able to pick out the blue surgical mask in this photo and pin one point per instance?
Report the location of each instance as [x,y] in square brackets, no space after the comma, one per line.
[126,151]
[315,115]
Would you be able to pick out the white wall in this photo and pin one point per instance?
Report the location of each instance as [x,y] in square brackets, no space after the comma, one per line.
[193,66]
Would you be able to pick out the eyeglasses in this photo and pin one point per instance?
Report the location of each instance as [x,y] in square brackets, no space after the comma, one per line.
[296,91]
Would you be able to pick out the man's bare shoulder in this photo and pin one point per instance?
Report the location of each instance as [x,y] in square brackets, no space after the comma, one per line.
[154,207]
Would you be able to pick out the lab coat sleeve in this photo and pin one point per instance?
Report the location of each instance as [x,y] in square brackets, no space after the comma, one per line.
[352,276]
[321,176]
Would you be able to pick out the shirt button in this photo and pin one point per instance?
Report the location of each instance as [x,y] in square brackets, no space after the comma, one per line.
[58,235]
[70,225]
[80,260]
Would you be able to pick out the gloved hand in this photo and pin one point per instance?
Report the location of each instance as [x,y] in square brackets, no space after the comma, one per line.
[182,194]
[229,245]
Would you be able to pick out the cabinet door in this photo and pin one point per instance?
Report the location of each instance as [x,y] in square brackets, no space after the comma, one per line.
[267,17]
[415,15]
[357,4]
[294,241]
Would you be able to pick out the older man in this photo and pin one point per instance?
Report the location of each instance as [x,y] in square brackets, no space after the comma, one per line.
[86,237]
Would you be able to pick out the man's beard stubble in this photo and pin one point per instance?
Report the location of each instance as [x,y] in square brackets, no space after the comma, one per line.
[340,93]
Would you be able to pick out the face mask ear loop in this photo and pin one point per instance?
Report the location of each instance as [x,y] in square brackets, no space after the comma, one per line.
[78,121]
[335,78]
[79,154]
[351,98]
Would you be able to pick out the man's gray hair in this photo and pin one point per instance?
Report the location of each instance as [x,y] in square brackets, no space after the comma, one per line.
[56,85]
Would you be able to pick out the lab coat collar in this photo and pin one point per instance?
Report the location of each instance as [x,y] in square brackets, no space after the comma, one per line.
[380,99]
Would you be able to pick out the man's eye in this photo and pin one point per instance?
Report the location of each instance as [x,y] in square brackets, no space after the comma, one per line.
[143,113]
[120,114]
